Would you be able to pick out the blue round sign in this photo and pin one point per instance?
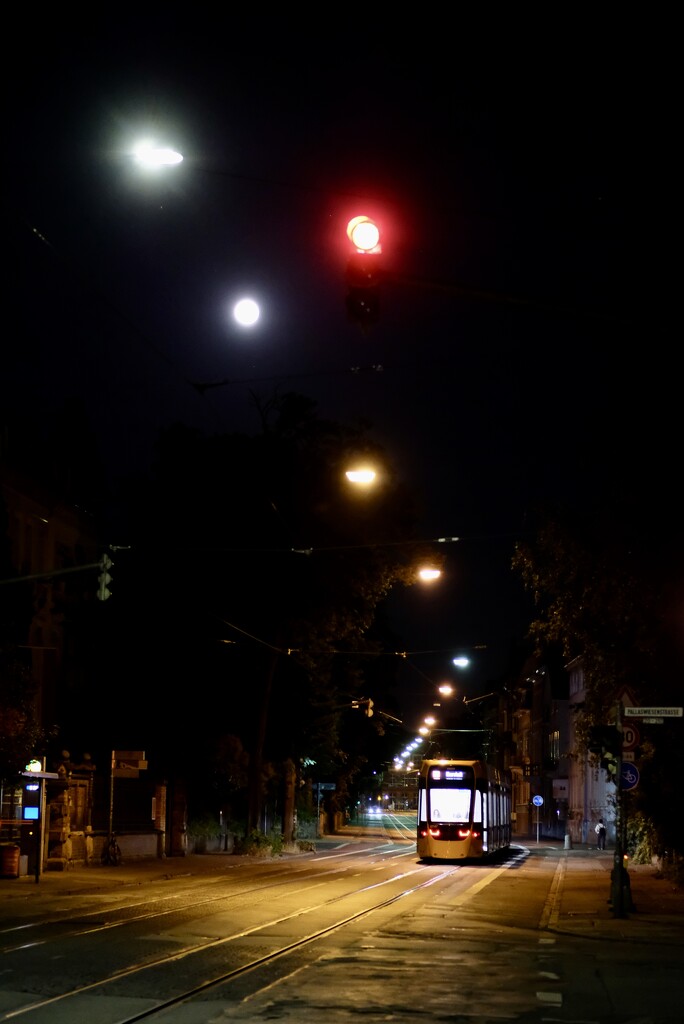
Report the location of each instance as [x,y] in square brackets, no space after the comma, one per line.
[537,801]
[629,775]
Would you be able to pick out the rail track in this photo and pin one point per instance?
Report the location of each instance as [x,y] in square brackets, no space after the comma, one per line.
[219,938]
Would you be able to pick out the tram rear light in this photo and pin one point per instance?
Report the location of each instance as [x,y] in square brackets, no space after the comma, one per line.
[435,833]
[463,833]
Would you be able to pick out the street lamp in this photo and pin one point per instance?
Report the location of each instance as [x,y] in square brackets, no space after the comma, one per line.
[362,475]
[246,312]
[151,156]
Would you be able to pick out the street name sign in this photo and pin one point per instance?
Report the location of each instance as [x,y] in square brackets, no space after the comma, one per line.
[653,712]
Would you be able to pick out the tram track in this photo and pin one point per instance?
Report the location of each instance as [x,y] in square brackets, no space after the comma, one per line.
[204,961]
[19,936]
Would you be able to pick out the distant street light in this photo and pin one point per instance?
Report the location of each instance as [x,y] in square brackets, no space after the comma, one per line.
[461,661]
[427,575]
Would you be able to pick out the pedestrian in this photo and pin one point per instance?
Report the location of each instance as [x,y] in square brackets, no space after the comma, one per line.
[600,831]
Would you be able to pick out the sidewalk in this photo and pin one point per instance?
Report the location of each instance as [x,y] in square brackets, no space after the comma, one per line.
[578,904]
[584,891]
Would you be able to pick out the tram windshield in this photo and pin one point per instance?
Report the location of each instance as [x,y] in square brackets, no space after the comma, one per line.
[450,804]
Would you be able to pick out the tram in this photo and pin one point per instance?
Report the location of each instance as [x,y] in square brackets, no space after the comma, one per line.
[464,810]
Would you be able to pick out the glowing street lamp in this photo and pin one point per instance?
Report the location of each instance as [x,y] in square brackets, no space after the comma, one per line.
[427,574]
[246,312]
[363,475]
[152,157]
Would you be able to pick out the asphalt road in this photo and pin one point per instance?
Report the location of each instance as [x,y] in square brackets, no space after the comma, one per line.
[534,939]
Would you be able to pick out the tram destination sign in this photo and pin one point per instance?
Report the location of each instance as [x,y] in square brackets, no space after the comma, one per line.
[653,712]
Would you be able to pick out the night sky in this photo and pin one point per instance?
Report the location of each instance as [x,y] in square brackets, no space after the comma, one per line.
[519,178]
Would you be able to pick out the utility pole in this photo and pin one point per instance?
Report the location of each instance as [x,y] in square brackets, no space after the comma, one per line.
[620,891]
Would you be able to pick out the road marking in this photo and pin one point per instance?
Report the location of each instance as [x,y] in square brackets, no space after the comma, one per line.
[551,911]
[473,889]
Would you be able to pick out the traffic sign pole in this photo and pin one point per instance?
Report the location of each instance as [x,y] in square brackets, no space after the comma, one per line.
[537,801]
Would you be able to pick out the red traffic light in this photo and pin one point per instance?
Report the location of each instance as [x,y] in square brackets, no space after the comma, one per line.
[364,234]
[363,271]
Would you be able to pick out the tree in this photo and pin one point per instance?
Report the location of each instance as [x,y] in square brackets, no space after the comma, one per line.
[258,575]
[607,584]
[20,731]
[601,592]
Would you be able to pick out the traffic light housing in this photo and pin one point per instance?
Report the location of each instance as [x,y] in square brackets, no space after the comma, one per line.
[363,271]
[104,579]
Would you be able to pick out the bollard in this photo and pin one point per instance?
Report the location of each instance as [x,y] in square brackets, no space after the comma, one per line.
[568,842]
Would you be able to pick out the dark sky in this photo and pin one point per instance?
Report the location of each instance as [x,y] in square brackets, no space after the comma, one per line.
[519,175]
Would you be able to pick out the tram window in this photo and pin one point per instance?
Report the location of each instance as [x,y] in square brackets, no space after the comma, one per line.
[450,804]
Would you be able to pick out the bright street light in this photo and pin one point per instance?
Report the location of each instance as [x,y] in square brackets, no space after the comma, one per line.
[363,475]
[428,575]
[151,156]
[461,661]
[246,312]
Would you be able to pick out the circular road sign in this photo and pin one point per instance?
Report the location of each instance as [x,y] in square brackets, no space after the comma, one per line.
[537,801]
[629,776]
[630,737]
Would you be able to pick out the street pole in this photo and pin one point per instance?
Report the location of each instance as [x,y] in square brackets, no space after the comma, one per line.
[111,799]
[619,877]
[41,830]
[617,887]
